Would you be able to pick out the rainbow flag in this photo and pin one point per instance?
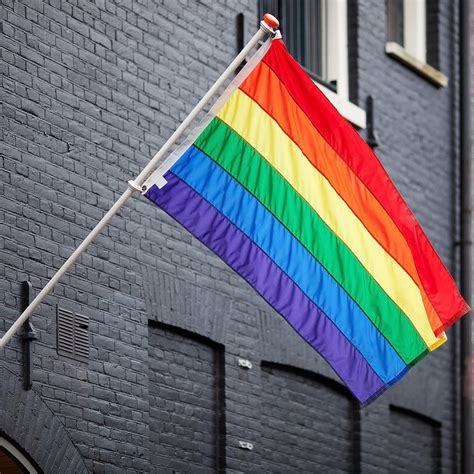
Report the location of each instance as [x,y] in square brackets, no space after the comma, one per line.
[285,191]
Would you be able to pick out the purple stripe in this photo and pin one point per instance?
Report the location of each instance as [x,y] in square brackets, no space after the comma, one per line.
[247,259]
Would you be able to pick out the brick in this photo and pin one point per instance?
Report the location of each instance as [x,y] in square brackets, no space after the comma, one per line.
[92,90]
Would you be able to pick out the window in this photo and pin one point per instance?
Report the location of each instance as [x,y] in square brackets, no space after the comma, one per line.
[315,33]
[412,37]
[395,21]
[407,26]
[304,24]
[308,26]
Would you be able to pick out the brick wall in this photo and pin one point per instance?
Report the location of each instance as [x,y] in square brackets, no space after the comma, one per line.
[299,428]
[91,90]
[418,442]
[185,402]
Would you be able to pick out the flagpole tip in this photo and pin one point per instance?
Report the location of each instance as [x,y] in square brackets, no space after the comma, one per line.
[271,21]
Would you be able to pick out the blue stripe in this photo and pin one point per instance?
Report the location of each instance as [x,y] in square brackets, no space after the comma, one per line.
[248,214]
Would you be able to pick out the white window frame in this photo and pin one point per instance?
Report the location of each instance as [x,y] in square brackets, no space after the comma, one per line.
[414,28]
[336,62]
[413,53]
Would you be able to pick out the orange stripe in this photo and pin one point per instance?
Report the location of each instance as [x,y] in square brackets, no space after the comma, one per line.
[264,87]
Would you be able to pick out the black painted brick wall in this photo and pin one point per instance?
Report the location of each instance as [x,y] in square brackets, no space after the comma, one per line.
[89,91]
[307,425]
[184,379]
[416,441]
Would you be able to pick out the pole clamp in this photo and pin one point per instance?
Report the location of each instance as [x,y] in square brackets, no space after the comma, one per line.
[277,35]
[133,186]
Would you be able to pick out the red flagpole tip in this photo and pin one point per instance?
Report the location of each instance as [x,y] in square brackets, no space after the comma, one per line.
[271,21]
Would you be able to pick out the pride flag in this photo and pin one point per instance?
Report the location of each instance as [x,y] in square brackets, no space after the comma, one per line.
[285,191]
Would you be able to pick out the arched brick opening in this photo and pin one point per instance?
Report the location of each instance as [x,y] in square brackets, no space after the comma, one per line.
[28,422]
[13,459]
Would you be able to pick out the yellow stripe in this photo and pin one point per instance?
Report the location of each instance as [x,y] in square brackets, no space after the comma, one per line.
[442,338]
[259,129]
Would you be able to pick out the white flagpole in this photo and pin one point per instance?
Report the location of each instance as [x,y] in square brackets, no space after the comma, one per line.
[267,26]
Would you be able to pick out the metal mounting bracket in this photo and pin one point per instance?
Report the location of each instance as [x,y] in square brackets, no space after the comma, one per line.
[28,334]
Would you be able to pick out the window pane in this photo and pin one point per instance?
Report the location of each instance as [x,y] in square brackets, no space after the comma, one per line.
[395,21]
[432,32]
[301,24]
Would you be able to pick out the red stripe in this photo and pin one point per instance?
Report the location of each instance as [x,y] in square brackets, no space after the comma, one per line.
[438,283]
[266,89]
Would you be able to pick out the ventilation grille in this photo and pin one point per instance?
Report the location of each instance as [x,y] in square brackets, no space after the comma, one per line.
[73,334]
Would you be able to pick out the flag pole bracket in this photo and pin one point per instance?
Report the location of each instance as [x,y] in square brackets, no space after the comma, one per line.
[28,335]
[134,186]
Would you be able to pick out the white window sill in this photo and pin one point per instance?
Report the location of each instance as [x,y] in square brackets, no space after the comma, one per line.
[399,53]
[351,112]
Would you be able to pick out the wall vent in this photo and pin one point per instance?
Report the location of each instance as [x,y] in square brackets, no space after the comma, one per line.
[73,334]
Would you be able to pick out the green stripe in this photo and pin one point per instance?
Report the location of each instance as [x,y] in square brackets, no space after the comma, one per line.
[252,171]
